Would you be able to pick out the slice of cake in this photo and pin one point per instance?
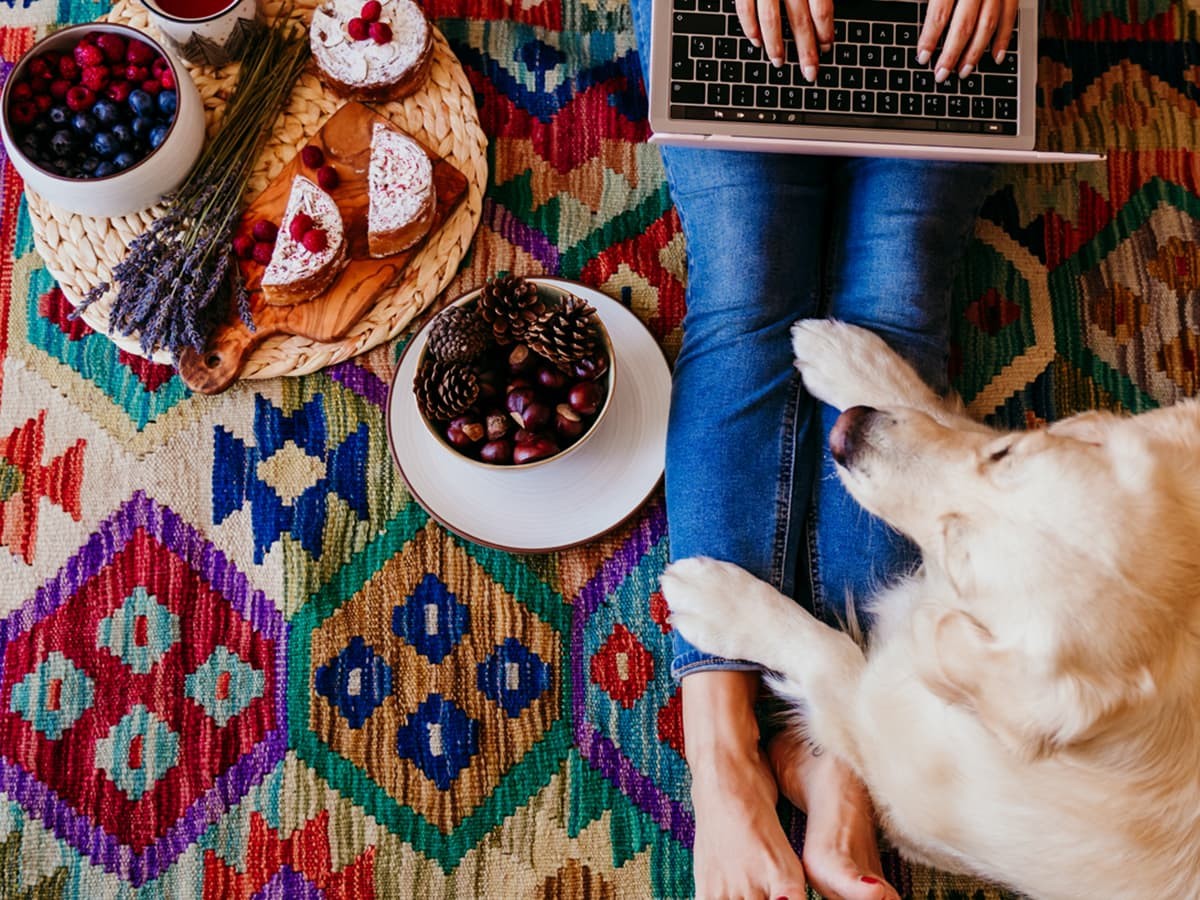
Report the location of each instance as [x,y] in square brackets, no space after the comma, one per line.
[401,192]
[371,51]
[310,249]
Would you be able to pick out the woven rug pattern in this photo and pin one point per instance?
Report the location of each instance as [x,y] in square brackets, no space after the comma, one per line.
[238,661]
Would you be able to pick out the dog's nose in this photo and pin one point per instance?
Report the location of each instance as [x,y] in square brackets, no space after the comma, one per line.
[847,433]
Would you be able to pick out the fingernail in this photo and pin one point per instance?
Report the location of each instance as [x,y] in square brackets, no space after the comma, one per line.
[941,74]
[756,42]
[825,48]
[1000,55]
[809,72]
[966,70]
[777,62]
[923,57]
[867,879]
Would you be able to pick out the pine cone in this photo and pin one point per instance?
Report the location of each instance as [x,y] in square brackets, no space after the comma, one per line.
[566,334]
[510,305]
[445,389]
[458,334]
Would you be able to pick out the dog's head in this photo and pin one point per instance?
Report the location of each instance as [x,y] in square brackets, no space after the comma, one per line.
[1067,556]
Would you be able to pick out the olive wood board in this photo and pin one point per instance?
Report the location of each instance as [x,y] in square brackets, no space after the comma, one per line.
[345,140]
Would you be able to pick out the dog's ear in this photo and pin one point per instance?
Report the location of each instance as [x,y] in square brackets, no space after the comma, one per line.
[1089,427]
[953,553]
[1036,707]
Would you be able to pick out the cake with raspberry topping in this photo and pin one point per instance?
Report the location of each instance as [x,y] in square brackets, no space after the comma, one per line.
[310,246]
[401,192]
[378,50]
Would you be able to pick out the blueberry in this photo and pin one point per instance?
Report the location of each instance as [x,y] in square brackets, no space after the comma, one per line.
[142,127]
[124,160]
[107,112]
[158,134]
[31,146]
[166,103]
[61,166]
[123,134]
[105,145]
[59,115]
[84,123]
[89,164]
[62,143]
[142,103]
[41,126]
[104,169]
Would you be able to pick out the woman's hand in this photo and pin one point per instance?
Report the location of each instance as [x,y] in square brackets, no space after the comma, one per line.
[811,22]
[974,26]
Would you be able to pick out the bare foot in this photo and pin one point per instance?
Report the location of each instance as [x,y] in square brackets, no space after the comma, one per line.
[841,856]
[740,849]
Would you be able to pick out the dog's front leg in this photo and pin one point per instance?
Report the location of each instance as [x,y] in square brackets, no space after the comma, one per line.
[721,608]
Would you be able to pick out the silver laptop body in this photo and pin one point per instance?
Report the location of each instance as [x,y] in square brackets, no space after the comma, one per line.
[692,41]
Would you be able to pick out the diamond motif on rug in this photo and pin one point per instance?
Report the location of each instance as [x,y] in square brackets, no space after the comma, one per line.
[139,631]
[514,676]
[440,738]
[432,619]
[356,681]
[117,666]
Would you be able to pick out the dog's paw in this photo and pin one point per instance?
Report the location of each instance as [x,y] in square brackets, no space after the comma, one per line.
[715,606]
[845,365]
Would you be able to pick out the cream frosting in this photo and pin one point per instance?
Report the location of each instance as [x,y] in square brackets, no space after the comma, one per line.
[291,260]
[366,64]
[400,180]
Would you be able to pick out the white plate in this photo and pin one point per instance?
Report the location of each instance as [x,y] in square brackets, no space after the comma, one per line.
[566,501]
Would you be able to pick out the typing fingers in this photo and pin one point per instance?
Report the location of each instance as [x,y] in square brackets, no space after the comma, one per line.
[804,32]
[747,11]
[771,25]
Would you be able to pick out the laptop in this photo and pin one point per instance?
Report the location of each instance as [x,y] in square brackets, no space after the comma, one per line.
[711,87]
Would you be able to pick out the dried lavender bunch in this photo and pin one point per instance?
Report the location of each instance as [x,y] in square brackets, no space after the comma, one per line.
[179,277]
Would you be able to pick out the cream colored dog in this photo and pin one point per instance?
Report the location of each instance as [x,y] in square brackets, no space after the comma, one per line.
[1029,707]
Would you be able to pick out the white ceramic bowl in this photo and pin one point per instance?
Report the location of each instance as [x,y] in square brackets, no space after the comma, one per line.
[130,190]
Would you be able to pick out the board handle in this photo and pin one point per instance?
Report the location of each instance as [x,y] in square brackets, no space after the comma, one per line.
[215,369]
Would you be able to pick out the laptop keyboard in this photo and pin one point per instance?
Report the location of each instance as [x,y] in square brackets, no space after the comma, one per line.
[870,79]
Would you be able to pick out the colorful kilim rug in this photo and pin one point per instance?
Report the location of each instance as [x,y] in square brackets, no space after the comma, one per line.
[218,672]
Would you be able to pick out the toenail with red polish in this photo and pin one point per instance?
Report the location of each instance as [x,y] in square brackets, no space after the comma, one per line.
[869,880]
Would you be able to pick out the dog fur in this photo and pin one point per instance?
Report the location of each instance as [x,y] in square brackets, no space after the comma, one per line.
[1028,709]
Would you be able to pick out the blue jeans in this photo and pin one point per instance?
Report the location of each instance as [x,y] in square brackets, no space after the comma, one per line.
[772,239]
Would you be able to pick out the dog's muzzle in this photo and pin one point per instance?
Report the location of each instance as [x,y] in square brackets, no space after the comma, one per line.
[846,437]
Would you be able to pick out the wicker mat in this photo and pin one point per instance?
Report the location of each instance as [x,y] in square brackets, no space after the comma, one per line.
[236,660]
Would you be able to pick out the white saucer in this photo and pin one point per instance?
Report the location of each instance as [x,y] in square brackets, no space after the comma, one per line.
[563,502]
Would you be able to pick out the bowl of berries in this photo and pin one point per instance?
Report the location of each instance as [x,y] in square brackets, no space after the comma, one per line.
[515,374]
[101,120]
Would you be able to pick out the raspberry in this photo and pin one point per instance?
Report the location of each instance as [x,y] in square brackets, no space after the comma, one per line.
[265,231]
[167,79]
[68,68]
[243,246]
[112,45]
[312,157]
[139,54]
[327,177]
[39,67]
[357,29]
[87,54]
[262,253]
[24,113]
[300,224]
[381,32]
[371,10]
[137,73]
[118,91]
[59,88]
[43,102]
[95,77]
[22,91]
[159,66]
[314,240]
[80,98]
[151,86]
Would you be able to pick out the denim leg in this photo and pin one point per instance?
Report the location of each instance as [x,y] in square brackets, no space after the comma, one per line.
[898,233]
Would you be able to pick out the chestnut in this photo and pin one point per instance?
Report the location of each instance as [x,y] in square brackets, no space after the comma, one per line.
[497,425]
[590,367]
[585,397]
[533,450]
[551,379]
[521,435]
[497,452]
[521,358]
[567,422]
[526,409]
[464,431]
[489,386]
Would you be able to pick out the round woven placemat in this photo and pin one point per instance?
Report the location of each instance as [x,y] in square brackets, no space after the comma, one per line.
[81,251]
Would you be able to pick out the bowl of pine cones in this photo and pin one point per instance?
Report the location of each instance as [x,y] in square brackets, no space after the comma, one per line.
[514,374]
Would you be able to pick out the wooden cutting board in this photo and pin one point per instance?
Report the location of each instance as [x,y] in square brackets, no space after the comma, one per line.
[345,139]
